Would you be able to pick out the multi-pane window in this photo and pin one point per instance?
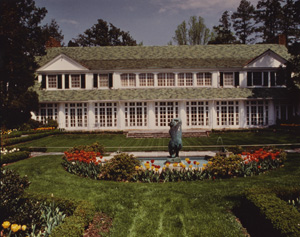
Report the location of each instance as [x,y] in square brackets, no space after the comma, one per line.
[75,81]
[257,113]
[105,115]
[52,81]
[146,79]
[204,79]
[197,113]
[76,115]
[185,79]
[228,79]
[265,78]
[46,112]
[136,114]
[103,80]
[166,79]
[227,113]
[128,80]
[165,112]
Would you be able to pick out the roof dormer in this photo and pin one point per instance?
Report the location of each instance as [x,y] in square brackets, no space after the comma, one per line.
[62,63]
[268,59]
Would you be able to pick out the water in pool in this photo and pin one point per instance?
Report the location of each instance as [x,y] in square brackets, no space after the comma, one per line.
[160,161]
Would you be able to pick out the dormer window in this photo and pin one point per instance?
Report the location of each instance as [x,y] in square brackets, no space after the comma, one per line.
[52,81]
[75,81]
[228,79]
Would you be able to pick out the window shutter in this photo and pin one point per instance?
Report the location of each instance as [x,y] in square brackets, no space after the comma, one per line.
[110,80]
[249,78]
[273,82]
[266,79]
[67,82]
[43,81]
[236,78]
[95,81]
[82,81]
[59,82]
[221,79]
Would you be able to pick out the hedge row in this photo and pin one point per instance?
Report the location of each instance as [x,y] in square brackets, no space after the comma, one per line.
[30,137]
[79,214]
[275,215]
[13,157]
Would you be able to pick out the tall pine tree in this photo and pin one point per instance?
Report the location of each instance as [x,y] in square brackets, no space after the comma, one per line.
[224,35]
[243,22]
[21,39]
[269,15]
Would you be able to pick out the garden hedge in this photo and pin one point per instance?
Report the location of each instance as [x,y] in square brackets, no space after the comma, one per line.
[16,140]
[13,157]
[271,212]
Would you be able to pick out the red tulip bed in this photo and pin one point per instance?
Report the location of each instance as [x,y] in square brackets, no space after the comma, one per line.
[125,167]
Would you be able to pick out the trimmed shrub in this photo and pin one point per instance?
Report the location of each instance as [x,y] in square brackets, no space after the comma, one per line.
[12,187]
[75,225]
[121,167]
[224,167]
[13,157]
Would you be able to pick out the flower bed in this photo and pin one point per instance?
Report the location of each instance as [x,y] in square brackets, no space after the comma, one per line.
[128,168]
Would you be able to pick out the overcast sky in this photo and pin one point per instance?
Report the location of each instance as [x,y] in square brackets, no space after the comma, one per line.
[152,22]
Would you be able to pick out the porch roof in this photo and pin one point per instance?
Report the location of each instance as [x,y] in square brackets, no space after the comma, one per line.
[159,94]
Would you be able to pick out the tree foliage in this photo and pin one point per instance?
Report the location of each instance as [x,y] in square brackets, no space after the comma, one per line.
[104,34]
[21,39]
[52,33]
[224,35]
[243,21]
[193,33]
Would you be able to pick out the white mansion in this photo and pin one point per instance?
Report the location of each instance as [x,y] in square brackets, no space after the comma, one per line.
[144,87]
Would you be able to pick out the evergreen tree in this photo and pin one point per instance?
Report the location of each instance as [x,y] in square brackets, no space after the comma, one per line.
[243,21]
[104,34]
[269,16]
[224,35]
[21,39]
[195,33]
[52,31]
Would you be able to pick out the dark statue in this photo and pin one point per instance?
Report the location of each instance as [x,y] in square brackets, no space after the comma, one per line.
[175,132]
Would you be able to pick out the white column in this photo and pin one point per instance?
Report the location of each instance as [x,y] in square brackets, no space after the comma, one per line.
[117,81]
[89,81]
[91,116]
[182,113]
[243,79]
[155,79]
[151,115]
[243,114]
[215,79]
[121,116]
[137,79]
[194,79]
[61,115]
[176,79]
[213,114]
[272,113]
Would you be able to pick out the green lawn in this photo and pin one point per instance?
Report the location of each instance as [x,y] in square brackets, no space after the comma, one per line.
[114,142]
[199,208]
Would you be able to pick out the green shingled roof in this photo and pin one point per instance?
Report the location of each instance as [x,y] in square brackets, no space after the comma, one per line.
[160,94]
[148,57]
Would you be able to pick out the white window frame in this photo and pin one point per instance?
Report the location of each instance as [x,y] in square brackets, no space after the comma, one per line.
[166,79]
[185,79]
[128,80]
[52,81]
[106,115]
[204,79]
[74,82]
[197,113]
[146,79]
[228,114]
[103,80]
[228,82]
[257,113]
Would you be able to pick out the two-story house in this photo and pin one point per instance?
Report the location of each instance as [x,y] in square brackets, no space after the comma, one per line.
[144,87]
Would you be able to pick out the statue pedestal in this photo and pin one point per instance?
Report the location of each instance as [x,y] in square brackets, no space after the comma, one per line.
[173,160]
